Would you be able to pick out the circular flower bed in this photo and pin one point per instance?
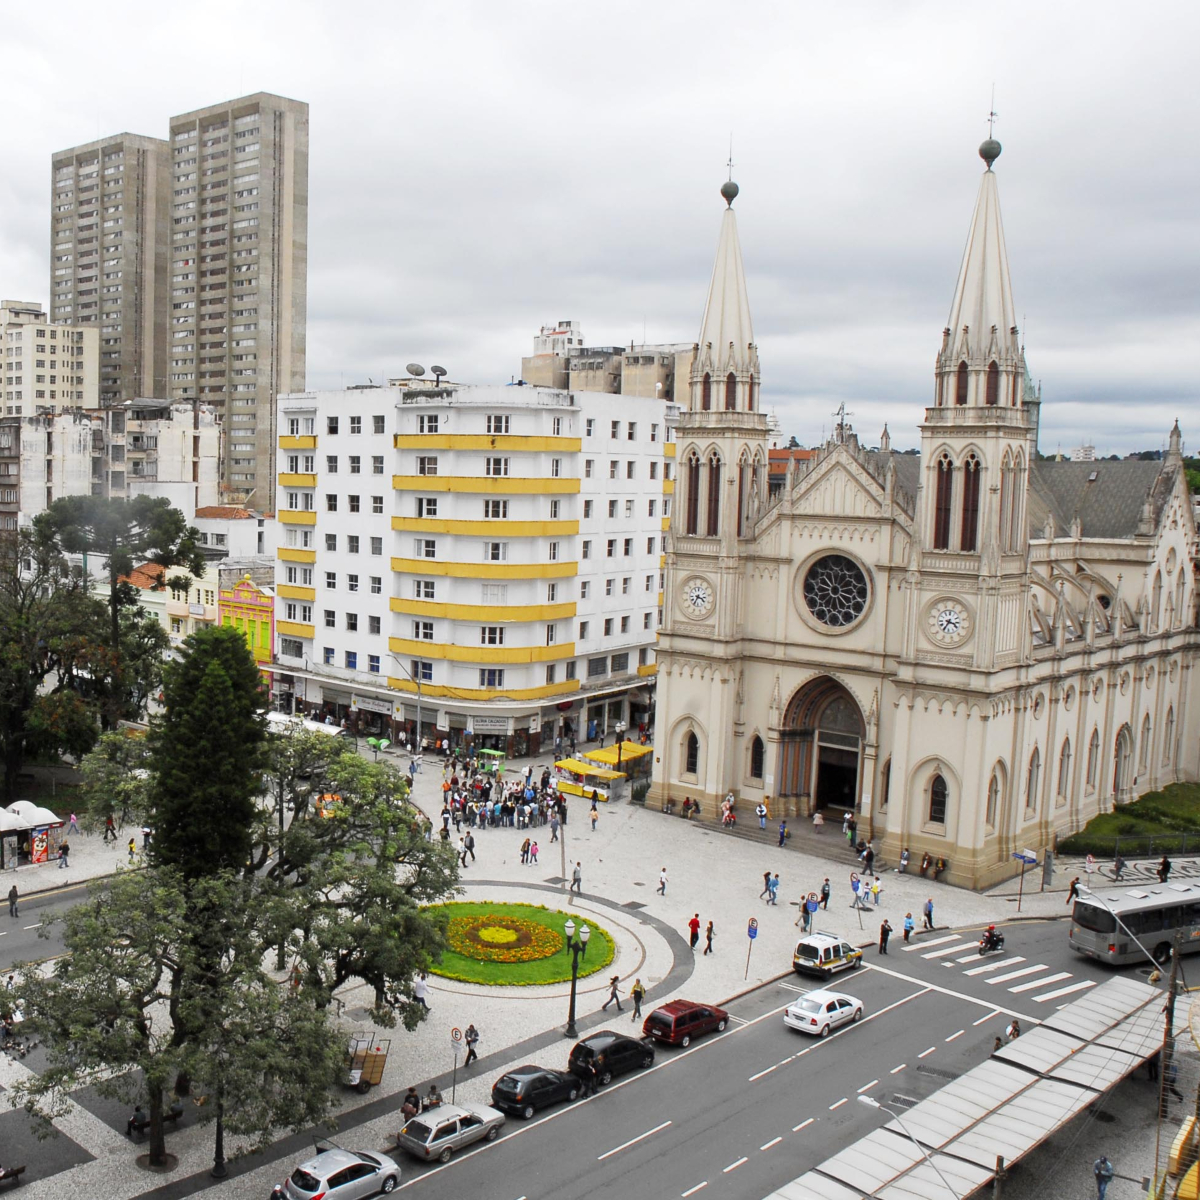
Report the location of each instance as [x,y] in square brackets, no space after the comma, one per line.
[515,944]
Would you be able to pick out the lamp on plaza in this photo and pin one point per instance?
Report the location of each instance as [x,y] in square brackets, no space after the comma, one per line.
[577,948]
[620,727]
[871,1102]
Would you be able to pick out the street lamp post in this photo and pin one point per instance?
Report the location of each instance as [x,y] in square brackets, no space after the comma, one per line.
[577,948]
[871,1102]
[620,728]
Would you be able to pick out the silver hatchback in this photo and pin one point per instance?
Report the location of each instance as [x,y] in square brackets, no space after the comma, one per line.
[440,1132]
[341,1175]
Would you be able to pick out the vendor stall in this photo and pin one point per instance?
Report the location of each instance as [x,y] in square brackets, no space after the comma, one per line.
[630,758]
[577,777]
[43,833]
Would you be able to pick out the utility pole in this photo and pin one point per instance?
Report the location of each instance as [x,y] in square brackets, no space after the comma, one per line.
[1001,1176]
[1168,1051]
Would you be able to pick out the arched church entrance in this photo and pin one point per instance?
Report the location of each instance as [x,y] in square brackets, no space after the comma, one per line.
[1123,766]
[820,748]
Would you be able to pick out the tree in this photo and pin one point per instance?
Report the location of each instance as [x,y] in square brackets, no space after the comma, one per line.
[116,780]
[123,533]
[49,642]
[207,755]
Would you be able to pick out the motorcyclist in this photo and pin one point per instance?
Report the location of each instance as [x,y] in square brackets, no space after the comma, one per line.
[991,939]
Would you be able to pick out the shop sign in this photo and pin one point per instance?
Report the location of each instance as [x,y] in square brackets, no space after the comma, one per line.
[197,610]
[490,724]
[535,723]
[372,704]
[443,720]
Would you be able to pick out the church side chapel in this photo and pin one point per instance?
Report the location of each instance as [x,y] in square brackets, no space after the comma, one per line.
[974,649]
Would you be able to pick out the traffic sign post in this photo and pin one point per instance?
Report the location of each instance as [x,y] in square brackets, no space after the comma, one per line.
[751,933]
[456,1038]
[1027,858]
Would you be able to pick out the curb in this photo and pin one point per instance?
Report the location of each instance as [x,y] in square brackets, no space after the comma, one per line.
[68,884]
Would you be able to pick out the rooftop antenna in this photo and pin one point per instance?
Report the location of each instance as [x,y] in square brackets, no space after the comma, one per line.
[729,164]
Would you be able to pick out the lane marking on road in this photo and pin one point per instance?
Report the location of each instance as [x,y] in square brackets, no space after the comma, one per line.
[994,1013]
[772,1142]
[1066,991]
[897,1070]
[767,1071]
[995,966]
[692,1191]
[1018,974]
[925,1052]
[950,937]
[867,1086]
[956,1035]
[1037,983]
[791,987]
[37,926]
[803,1125]
[843,1100]
[738,1020]
[945,991]
[968,957]
[943,953]
[733,1166]
[641,1137]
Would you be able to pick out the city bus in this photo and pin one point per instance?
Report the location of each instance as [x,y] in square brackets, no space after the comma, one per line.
[1103,921]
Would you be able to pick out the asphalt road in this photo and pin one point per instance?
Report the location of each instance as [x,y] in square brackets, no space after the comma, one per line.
[740,1114]
[19,940]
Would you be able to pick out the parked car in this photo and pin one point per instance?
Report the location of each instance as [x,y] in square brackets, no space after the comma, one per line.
[524,1090]
[442,1131]
[340,1175]
[681,1020]
[823,954]
[611,1053]
[820,1012]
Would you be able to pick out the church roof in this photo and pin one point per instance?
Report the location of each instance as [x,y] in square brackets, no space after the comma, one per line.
[727,312]
[1107,497]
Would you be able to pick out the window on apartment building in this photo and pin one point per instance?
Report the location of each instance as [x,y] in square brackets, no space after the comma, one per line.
[557,426]
[615,429]
[495,467]
[572,670]
[377,424]
[426,548]
[647,620]
[376,464]
[331,424]
[330,619]
[624,624]
[630,469]
[650,544]
[291,574]
[551,634]
[587,510]
[625,585]
[653,469]
[327,656]
[589,427]
[589,466]
[356,424]
[491,677]
[422,670]
[654,431]
[551,672]
[612,510]
[613,468]
[427,423]
[653,508]
[628,508]
[551,593]
[491,635]
[555,509]
[553,552]
[331,464]
[351,660]
[608,626]
[352,622]
[583,630]
[497,423]
[494,510]
[373,625]
[620,663]
[610,548]
[643,656]
[352,583]
[331,579]
[376,584]
[331,541]
[667,470]
[291,611]
[330,502]
[352,543]
[555,468]
[291,647]
[423,631]
[609,584]
[427,506]
[293,464]
[293,425]
[495,551]
[585,589]
[627,547]
[377,545]
[355,503]
[423,589]
[631,433]
[586,549]
[356,464]
[373,663]
[597,667]
[427,464]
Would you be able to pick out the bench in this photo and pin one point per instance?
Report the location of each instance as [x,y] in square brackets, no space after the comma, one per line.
[14,1173]
[171,1116]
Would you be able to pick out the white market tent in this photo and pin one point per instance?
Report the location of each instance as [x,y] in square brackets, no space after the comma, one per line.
[34,816]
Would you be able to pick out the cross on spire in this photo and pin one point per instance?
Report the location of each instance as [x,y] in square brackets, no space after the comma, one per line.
[992,115]
[729,164]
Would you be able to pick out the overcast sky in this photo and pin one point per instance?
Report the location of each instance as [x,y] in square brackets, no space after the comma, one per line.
[479,169]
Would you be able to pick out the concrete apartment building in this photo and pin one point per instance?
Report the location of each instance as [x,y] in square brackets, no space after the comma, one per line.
[46,368]
[491,555]
[43,457]
[108,256]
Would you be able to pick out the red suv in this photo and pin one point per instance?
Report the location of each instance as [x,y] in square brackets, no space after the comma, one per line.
[681,1020]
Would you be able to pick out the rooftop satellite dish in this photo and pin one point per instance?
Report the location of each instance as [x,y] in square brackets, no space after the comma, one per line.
[439,371]
[415,369]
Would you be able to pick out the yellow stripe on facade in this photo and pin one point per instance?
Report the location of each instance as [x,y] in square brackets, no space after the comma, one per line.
[290,591]
[484,613]
[303,441]
[543,692]
[291,554]
[294,629]
[497,528]
[500,443]
[289,480]
[503,485]
[294,516]
[490,570]
[648,669]
[666,524]
[668,487]
[668,449]
[510,655]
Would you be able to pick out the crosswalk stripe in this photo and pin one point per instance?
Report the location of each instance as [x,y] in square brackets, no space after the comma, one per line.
[968,957]
[1066,991]
[995,965]
[951,937]
[1018,974]
[943,953]
[1037,983]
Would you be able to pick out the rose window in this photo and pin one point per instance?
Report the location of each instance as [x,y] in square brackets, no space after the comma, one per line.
[835,590]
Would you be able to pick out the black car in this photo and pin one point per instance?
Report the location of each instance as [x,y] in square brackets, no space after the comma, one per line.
[611,1053]
[526,1089]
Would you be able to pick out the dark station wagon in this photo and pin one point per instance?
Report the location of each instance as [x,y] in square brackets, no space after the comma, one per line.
[611,1053]
[681,1020]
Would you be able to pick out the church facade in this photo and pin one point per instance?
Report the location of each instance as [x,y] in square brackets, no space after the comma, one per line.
[974,649]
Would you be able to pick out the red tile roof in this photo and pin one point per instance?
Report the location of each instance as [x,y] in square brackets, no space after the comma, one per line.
[148,575]
[226,512]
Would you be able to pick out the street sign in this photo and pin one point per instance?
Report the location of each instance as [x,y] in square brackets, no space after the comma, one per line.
[855,882]
[752,929]
[1026,856]
[456,1040]
[812,903]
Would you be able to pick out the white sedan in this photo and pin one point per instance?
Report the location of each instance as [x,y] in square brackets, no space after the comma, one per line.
[821,1012]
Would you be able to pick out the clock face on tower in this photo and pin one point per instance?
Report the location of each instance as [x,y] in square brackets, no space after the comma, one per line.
[948,621]
[696,596]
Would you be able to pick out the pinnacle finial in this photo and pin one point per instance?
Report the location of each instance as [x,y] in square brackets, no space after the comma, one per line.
[989,151]
[729,190]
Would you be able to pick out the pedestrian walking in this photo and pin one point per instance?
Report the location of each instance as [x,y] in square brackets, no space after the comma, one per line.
[1164,869]
[637,994]
[73,827]
[13,898]
[909,925]
[64,855]
[662,882]
[577,879]
[1013,1031]
[998,1044]
[929,913]
[825,890]
[694,931]
[773,898]
[613,994]
[554,828]
[472,1038]
[525,852]
[766,885]
[1073,890]
[594,814]
[469,845]
[1103,1171]
[885,932]
[462,852]
[782,832]
[533,849]
[708,937]
[421,990]
[110,832]
[590,1077]
[846,826]
[760,812]
[876,888]
[1118,868]
[132,849]
[868,860]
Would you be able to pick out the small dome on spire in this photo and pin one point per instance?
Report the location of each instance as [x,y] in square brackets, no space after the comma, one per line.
[989,151]
[729,190]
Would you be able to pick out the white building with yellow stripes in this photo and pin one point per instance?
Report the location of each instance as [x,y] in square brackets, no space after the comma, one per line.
[486,560]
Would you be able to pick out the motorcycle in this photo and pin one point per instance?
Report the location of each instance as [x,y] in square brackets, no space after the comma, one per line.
[990,942]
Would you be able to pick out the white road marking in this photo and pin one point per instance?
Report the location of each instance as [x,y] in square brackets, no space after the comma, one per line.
[1037,983]
[691,1191]
[1018,974]
[929,987]
[733,1166]
[738,1020]
[897,1070]
[843,1100]
[968,957]
[633,1141]
[1066,991]
[925,1052]
[37,926]
[762,1073]
[996,965]
[956,1035]
[867,1086]
[791,987]
[950,937]
[803,1125]
[772,1142]
[943,953]
[994,1013]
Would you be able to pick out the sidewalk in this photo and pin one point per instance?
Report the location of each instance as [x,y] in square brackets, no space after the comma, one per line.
[90,858]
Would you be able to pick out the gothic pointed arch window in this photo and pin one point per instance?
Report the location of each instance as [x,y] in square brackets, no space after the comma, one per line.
[1156,602]
[706,392]
[962,382]
[692,495]
[691,754]
[713,524]
[993,800]
[730,392]
[1064,770]
[885,785]
[750,394]
[1006,495]
[1016,503]
[943,515]
[743,482]
[971,473]
[939,796]
[1144,748]
[1093,759]
[993,384]
[1180,592]
[1168,753]
[758,755]
[1033,778]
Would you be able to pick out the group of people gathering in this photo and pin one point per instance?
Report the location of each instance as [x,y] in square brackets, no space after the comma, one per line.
[476,799]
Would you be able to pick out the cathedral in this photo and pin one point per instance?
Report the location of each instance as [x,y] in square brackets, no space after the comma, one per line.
[975,650]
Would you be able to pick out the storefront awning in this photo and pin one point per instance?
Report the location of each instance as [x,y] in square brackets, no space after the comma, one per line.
[578,767]
[609,754]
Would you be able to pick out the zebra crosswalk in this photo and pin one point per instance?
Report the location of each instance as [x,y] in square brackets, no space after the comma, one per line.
[1012,972]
